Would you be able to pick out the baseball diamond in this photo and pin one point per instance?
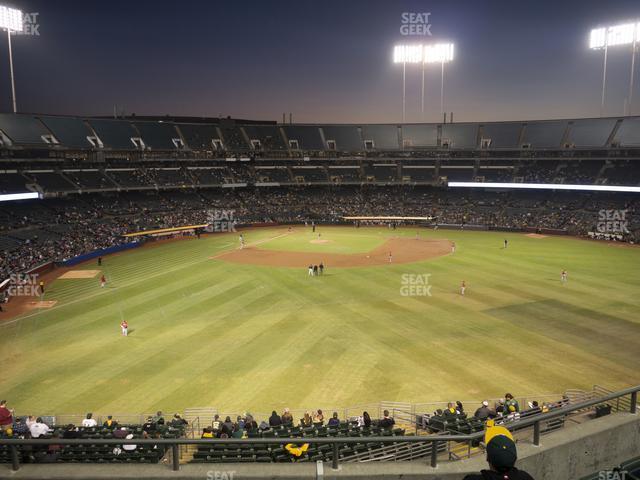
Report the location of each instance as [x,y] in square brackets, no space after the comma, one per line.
[206,316]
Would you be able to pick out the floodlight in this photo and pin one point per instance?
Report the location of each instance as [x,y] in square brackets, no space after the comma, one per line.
[438,53]
[11,18]
[623,34]
[9,197]
[604,37]
[598,38]
[407,54]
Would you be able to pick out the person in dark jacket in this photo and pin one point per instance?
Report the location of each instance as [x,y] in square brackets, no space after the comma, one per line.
[484,412]
[366,419]
[386,421]
[450,413]
[334,421]
[275,420]
[501,456]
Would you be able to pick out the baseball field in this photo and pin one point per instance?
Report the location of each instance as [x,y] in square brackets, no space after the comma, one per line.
[250,330]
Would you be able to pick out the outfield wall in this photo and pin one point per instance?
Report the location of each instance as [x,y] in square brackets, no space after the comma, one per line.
[99,253]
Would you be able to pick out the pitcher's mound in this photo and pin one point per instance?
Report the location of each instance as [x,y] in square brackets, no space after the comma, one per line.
[402,250]
[80,274]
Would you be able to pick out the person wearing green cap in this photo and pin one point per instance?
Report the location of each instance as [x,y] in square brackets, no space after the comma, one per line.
[501,456]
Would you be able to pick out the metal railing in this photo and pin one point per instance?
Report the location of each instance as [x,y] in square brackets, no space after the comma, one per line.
[435,440]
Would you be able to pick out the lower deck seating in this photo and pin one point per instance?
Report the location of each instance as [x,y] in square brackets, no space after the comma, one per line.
[93,453]
[250,453]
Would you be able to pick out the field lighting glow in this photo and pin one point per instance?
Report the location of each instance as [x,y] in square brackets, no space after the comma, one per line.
[437,53]
[546,186]
[10,18]
[624,34]
[10,197]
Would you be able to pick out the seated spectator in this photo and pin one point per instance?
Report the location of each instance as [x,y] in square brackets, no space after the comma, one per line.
[227,427]
[263,426]
[501,456]
[318,418]
[287,418]
[533,408]
[450,413]
[6,416]
[510,401]
[89,421]
[240,422]
[237,431]
[306,421]
[459,407]
[500,410]
[20,428]
[158,419]
[110,422]
[366,420]
[39,428]
[275,420]
[121,432]
[483,412]
[149,425]
[333,421]
[71,432]
[207,433]
[216,425]
[386,421]
[177,421]
[250,424]
[31,420]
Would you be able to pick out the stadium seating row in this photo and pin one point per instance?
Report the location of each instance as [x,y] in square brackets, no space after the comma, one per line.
[77,133]
[588,172]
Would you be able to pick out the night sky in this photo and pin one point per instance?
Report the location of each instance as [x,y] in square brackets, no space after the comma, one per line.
[322,60]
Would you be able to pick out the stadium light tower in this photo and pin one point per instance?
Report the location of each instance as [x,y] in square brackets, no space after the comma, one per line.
[11,20]
[424,54]
[604,37]
[406,54]
[439,53]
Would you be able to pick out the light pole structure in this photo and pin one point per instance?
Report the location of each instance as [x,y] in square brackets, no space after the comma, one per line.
[424,54]
[11,21]
[604,37]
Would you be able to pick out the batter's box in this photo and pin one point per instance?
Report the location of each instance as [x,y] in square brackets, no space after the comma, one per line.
[80,274]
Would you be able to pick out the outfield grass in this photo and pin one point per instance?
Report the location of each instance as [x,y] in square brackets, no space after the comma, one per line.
[241,337]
